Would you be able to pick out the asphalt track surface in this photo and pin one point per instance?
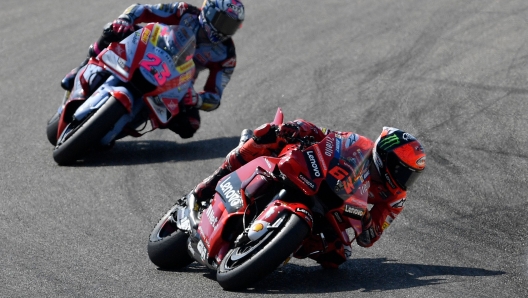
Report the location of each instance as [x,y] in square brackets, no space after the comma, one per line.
[451,72]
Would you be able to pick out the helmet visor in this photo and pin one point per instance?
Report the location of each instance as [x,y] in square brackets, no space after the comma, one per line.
[402,174]
[222,22]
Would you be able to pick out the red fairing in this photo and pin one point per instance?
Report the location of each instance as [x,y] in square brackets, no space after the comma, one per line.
[308,168]
[279,117]
[278,208]
[248,182]
[212,224]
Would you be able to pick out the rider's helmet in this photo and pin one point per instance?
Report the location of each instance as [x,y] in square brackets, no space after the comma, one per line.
[221,18]
[399,158]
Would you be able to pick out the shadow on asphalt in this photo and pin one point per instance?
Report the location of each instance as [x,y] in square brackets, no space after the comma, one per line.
[137,152]
[365,275]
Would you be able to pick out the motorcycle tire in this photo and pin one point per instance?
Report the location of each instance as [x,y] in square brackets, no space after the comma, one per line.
[167,247]
[80,137]
[252,261]
[52,128]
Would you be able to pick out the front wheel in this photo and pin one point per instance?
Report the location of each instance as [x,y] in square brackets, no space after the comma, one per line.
[167,247]
[79,137]
[252,261]
[52,128]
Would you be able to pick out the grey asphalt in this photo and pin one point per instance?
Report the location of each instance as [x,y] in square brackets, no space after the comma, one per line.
[451,72]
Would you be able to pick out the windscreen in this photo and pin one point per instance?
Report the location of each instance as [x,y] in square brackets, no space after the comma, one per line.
[179,42]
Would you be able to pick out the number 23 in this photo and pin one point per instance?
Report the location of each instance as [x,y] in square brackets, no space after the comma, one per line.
[161,77]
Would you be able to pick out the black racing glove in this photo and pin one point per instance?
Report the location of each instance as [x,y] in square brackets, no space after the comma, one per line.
[288,131]
[369,234]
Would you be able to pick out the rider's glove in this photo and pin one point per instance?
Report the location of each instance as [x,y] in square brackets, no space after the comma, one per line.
[192,99]
[122,26]
[265,134]
[288,131]
[369,234]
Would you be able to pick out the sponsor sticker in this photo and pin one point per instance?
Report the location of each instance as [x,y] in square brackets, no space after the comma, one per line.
[307,181]
[399,204]
[312,161]
[145,35]
[305,212]
[229,190]
[213,220]
[155,35]
[258,227]
[354,212]
[185,66]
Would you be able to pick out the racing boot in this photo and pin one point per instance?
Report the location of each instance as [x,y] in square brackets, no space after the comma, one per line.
[206,189]
[67,82]
[234,160]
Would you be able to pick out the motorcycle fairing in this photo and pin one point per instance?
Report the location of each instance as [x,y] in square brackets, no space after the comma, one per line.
[229,192]
[88,79]
[273,212]
[307,168]
[101,95]
[149,50]
[233,194]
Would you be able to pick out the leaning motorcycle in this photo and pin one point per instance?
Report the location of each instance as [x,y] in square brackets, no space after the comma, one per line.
[131,84]
[307,201]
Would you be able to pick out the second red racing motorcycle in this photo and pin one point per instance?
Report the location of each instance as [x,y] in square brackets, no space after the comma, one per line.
[308,201]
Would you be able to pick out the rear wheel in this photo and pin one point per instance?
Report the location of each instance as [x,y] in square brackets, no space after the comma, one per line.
[167,247]
[252,261]
[79,137]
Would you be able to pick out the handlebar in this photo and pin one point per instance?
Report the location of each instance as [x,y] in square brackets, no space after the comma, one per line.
[302,142]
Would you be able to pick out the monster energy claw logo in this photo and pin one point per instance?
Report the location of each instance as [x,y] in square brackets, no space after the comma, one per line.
[389,141]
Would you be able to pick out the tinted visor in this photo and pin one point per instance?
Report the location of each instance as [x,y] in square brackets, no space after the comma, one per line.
[222,22]
[402,174]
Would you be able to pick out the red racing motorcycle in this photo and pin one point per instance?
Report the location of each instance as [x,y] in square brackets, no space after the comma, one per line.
[308,201]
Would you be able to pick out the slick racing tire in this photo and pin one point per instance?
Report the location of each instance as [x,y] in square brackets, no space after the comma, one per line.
[79,137]
[252,261]
[52,128]
[167,246]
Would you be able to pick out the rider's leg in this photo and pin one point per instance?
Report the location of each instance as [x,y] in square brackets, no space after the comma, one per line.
[104,40]
[186,123]
[263,143]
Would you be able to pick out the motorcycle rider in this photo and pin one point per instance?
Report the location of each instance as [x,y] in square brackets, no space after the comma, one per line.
[215,50]
[396,159]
